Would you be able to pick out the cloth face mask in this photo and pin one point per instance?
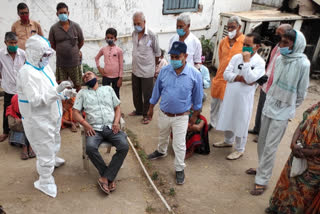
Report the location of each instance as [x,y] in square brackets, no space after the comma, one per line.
[91,83]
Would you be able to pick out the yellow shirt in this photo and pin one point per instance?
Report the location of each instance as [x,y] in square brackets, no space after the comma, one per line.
[24,31]
[218,85]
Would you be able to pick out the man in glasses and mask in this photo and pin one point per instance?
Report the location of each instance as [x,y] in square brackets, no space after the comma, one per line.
[228,47]
[242,74]
[25,27]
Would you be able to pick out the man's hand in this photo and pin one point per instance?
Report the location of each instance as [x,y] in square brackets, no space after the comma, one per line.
[239,78]
[297,151]
[89,130]
[119,83]
[115,128]
[246,56]
[100,70]
[150,113]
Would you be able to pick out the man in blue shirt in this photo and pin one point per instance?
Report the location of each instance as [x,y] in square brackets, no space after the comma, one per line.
[180,87]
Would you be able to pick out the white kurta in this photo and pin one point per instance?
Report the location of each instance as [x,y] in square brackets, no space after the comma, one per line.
[236,108]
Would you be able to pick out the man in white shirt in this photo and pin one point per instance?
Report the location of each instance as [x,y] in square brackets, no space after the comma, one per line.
[194,49]
[12,59]
[242,74]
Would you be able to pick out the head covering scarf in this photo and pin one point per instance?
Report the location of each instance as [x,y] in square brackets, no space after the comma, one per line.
[288,71]
[13,109]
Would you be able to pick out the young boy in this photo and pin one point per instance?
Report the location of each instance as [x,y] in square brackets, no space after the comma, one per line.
[113,62]
[161,63]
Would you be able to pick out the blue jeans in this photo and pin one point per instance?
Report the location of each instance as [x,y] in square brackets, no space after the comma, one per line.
[118,140]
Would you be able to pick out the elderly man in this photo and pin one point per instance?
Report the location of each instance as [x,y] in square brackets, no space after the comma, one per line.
[235,113]
[287,92]
[25,27]
[269,72]
[145,55]
[67,39]
[180,87]
[228,47]
[41,109]
[102,123]
[12,59]
[194,48]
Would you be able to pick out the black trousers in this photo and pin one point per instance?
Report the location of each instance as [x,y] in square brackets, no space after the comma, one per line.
[113,82]
[262,99]
[6,103]
[141,92]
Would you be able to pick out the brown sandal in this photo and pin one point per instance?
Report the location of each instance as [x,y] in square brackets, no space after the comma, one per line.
[258,190]
[24,156]
[104,187]
[112,186]
[251,171]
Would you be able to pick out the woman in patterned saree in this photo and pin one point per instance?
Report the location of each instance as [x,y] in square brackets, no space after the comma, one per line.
[301,194]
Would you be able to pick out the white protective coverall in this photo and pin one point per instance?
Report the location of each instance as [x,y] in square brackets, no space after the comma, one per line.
[41,110]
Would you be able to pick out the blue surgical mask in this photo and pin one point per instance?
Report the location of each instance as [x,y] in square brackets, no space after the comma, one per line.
[44,62]
[181,32]
[109,41]
[138,28]
[176,63]
[91,83]
[63,17]
[285,51]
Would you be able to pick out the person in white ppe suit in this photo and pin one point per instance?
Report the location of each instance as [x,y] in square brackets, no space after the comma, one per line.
[40,105]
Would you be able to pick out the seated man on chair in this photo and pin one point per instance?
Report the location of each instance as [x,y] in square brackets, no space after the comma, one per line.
[102,123]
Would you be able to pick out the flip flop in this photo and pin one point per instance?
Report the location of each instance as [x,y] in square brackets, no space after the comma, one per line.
[112,186]
[32,154]
[24,156]
[105,190]
[251,171]
[258,190]
[145,121]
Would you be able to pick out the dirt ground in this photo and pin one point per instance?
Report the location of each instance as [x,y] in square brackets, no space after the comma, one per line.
[213,184]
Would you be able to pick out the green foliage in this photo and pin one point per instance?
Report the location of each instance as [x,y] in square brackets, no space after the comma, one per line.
[155,176]
[150,209]
[86,68]
[172,192]
[207,47]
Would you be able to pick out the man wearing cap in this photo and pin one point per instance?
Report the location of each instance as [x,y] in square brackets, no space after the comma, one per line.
[180,87]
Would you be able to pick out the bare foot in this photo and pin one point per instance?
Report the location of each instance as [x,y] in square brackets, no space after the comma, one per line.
[3,137]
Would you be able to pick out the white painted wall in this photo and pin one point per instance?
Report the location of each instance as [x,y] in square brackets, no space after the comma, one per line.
[95,16]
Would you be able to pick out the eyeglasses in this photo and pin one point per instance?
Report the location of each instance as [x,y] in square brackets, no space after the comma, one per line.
[231,27]
[23,13]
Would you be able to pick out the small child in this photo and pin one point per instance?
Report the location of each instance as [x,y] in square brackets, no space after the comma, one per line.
[161,63]
[113,62]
